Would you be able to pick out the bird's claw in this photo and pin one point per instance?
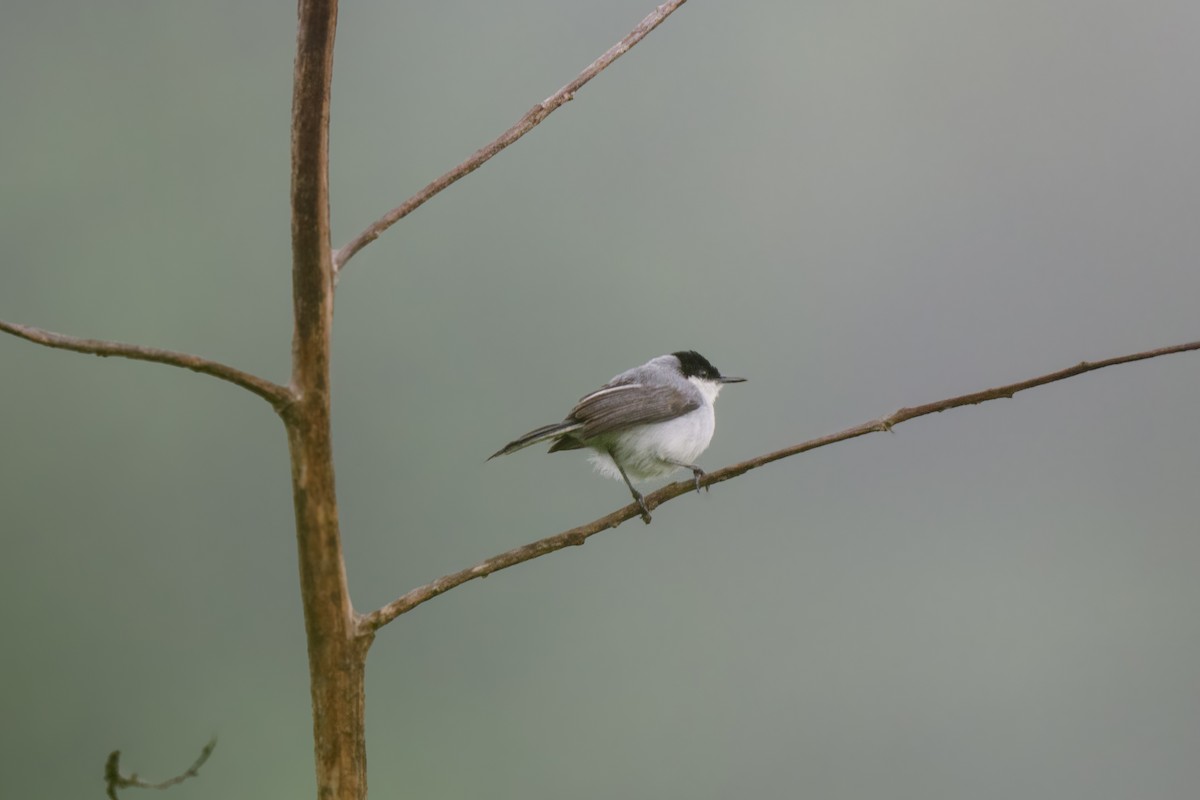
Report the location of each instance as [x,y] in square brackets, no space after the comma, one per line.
[641,501]
[698,473]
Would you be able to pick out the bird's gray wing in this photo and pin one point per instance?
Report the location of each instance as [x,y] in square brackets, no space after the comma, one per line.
[618,406]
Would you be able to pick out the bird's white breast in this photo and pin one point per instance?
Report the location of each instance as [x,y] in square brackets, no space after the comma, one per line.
[657,449]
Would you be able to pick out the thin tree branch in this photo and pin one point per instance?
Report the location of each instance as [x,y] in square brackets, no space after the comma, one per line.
[525,124]
[113,779]
[369,623]
[278,396]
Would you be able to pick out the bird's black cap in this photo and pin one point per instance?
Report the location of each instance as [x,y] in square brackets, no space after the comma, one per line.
[694,365]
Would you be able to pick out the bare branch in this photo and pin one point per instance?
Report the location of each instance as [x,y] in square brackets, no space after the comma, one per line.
[369,623]
[278,396]
[113,779]
[905,414]
[525,124]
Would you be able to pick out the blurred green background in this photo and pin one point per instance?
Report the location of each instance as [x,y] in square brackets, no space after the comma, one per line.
[858,205]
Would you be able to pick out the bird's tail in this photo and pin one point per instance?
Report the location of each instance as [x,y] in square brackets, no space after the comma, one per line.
[537,435]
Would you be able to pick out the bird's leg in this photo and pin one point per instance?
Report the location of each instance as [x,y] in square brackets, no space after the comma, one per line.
[637,496]
[697,473]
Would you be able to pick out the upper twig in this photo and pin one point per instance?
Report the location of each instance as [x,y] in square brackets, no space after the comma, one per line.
[278,396]
[369,623]
[525,124]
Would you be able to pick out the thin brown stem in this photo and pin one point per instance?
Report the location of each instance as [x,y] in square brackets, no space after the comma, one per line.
[577,536]
[278,396]
[522,126]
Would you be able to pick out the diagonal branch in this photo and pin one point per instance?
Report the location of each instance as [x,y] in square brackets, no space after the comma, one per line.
[278,396]
[369,623]
[523,126]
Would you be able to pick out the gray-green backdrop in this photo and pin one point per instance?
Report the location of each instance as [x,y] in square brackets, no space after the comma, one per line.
[858,205]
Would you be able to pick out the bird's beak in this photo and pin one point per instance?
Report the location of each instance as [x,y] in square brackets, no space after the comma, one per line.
[727,379]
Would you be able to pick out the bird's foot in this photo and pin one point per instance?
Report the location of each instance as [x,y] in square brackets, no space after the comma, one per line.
[641,501]
[698,473]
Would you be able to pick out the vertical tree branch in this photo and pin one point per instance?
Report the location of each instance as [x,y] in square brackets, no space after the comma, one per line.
[336,655]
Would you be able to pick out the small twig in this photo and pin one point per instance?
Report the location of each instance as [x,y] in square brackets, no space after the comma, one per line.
[114,780]
[369,623]
[525,124]
[278,396]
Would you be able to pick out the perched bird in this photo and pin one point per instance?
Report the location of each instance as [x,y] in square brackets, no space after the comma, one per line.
[646,422]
